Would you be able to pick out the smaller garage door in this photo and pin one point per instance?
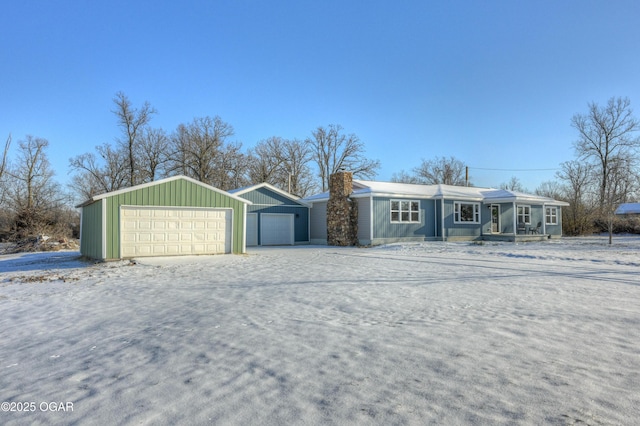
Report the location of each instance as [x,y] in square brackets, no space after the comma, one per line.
[276,229]
[169,231]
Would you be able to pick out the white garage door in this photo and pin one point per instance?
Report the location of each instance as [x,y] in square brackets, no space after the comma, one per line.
[252,229]
[276,229]
[169,231]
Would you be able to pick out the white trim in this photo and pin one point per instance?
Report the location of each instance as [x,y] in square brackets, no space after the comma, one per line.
[491,206]
[279,191]
[282,205]
[104,229]
[244,229]
[442,219]
[476,213]
[400,211]
[523,206]
[371,219]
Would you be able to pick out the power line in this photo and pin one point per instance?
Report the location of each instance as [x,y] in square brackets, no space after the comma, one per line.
[513,170]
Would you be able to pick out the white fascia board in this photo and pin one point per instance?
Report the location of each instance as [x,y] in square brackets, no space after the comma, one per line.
[272,188]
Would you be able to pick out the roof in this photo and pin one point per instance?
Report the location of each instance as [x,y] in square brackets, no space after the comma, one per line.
[628,208]
[246,189]
[362,188]
[159,182]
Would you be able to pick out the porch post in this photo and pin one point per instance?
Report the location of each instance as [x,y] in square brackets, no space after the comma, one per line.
[515,221]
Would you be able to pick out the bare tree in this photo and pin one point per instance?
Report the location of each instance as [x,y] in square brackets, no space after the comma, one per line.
[404,177]
[266,161]
[332,151]
[96,175]
[621,183]
[550,189]
[300,179]
[441,170]
[606,134]
[202,150]
[283,163]
[577,178]
[513,184]
[230,166]
[131,121]
[3,168]
[153,154]
[34,194]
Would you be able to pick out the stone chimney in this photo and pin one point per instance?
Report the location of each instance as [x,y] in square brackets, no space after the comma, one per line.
[342,211]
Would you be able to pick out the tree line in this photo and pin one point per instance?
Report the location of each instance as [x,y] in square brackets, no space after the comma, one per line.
[204,149]
[603,174]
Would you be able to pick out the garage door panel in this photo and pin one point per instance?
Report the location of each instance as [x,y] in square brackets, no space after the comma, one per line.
[276,229]
[163,231]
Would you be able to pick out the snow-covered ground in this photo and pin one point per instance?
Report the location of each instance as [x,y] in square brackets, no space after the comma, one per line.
[431,333]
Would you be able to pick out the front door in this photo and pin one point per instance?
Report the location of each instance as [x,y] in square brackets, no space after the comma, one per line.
[495,219]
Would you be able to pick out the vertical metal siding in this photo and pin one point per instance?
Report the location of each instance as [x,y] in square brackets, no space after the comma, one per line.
[384,228]
[91,236]
[465,230]
[175,193]
[265,196]
[301,219]
[267,201]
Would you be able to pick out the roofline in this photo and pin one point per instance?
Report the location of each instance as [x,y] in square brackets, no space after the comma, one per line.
[156,182]
[272,188]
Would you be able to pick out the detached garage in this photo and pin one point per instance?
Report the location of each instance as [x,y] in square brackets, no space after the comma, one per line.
[274,217]
[169,217]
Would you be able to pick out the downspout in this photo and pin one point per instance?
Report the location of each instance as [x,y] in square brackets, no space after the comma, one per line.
[515,220]
[244,229]
[435,218]
[442,217]
[104,229]
[371,219]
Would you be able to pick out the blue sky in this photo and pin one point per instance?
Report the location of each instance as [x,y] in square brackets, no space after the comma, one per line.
[492,83]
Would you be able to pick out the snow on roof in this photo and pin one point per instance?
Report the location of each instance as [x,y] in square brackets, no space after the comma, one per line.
[628,208]
[363,188]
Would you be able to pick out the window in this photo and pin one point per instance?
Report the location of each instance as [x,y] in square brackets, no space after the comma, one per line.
[405,211]
[466,213]
[551,215]
[524,214]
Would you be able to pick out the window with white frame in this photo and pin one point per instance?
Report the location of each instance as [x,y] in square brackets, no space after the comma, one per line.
[524,214]
[551,215]
[403,211]
[466,212]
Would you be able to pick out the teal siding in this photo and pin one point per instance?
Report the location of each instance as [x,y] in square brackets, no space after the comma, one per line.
[265,196]
[364,220]
[384,229]
[461,230]
[267,201]
[91,235]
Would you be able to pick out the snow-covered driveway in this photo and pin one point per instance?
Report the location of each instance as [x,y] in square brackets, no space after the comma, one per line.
[432,333]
